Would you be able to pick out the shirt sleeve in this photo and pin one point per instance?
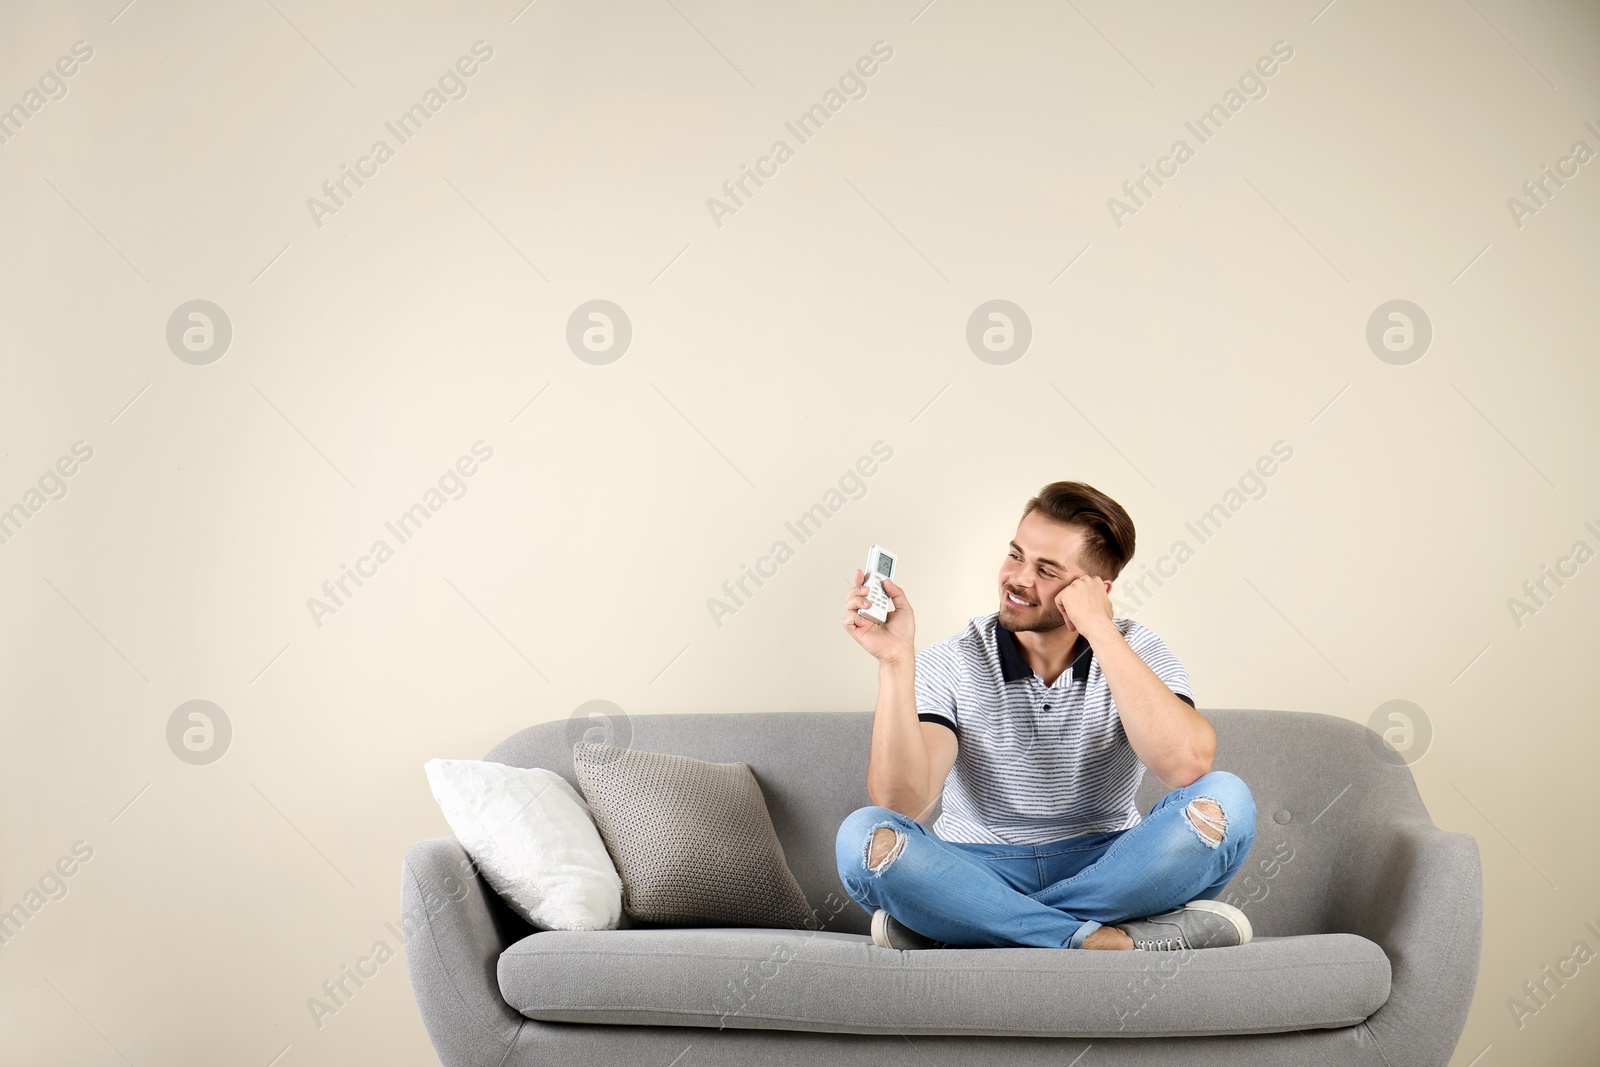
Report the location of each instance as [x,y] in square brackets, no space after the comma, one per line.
[1160,659]
[936,686]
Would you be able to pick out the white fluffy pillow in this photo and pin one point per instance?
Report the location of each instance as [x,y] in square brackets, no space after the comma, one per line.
[531,836]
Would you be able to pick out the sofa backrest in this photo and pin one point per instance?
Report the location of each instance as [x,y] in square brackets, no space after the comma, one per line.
[1316,779]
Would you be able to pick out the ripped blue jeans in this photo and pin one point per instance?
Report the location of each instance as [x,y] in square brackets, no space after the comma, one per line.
[1052,895]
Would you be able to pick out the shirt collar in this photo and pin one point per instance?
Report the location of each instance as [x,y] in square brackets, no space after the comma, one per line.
[1014,665]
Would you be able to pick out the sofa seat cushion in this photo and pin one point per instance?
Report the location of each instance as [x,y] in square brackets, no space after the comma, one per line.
[842,983]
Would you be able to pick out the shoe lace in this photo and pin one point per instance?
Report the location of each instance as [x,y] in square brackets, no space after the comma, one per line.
[1160,944]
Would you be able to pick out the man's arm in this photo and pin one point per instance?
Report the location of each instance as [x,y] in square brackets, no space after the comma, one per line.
[1174,741]
[900,767]
[909,760]
[1170,737]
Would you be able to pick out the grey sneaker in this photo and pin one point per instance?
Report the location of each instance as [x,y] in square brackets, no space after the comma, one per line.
[1198,924]
[889,932]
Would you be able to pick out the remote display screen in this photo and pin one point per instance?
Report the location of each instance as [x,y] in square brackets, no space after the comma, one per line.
[885,564]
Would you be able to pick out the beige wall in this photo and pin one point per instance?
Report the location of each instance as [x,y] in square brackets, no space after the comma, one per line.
[374,345]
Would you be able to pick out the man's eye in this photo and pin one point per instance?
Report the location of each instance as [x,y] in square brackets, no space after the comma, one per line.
[1047,574]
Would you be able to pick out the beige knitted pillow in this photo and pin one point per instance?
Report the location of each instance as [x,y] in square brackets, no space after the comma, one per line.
[692,840]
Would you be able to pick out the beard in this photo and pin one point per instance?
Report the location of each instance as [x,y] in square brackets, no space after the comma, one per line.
[1042,618]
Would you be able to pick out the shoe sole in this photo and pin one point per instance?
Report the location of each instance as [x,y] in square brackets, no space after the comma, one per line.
[880,935]
[880,929]
[1240,922]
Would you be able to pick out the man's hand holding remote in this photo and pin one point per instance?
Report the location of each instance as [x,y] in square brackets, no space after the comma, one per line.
[888,641]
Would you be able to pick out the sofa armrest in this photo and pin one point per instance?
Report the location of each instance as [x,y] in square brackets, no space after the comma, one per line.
[455,928]
[1417,891]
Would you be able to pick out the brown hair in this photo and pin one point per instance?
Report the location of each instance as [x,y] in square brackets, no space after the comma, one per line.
[1107,529]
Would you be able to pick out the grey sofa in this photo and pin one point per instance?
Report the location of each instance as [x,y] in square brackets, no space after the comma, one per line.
[1367,917]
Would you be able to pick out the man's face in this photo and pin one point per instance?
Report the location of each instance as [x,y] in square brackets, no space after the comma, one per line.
[1040,562]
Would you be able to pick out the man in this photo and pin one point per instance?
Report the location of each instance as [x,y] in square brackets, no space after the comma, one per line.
[1036,724]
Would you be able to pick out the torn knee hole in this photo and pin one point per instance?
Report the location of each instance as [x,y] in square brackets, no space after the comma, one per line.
[885,845]
[1205,815]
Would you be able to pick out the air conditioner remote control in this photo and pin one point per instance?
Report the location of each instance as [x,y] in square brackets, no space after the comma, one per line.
[881,564]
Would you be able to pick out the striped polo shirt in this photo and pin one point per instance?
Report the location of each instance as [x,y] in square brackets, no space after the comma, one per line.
[1035,763]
